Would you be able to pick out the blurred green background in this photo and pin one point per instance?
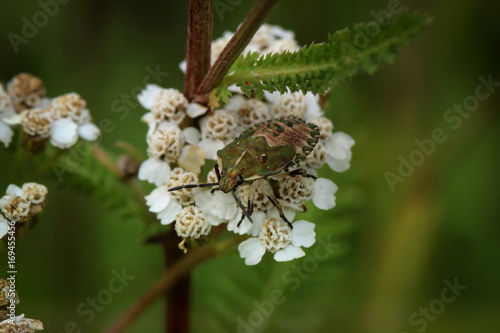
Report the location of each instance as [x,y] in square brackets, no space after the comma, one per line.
[395,247]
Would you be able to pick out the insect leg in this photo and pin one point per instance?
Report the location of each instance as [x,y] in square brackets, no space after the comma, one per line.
[217,171]
[280,210]
[300,172]
[243,209]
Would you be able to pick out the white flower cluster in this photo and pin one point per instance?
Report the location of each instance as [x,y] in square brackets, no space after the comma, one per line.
[20,204]
[61,120]
[20,324]
[196,210]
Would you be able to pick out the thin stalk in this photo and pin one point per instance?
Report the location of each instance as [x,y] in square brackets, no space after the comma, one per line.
[236,45]
[169,279]
[177,299]
[199,44]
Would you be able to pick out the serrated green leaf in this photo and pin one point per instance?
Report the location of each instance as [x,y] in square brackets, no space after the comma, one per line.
[318,67]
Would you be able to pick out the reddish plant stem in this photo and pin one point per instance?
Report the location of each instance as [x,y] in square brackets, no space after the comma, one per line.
[198,45]
[236,45]
[177,299]
[169,280]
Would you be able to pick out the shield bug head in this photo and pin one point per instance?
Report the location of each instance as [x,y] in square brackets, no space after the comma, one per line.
[267,149]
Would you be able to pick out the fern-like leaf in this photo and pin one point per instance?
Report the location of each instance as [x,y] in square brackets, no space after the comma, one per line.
[318,67]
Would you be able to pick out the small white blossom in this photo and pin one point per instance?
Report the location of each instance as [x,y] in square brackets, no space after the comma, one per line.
[5,134]
[26,91]
[4,226]
[34,192]
[37,122]
[218,207]
[217,130]
[21,325]
[6,111]
[338,151]
[164,146]
[291,104]
[195,110]
[296,190]
[164,204]
[180,177]
[190,222]
[323,195]
[165,104]
[166,142]
[64,133]
[155,171]
[276,237]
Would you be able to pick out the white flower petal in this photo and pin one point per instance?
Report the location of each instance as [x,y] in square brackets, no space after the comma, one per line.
[303,234]
[148,95]
[338,149]
[6,134]
[337,165]
[313,110]
[244,227]
[234,103]
[324,193]
[89,131]
[4,226]
[272,97]
[154,171]
[252,251]
[211,147]
[192,135]
[220,204]
[64,133]
[258,219]
[195,110]
[13,119]
[274,213]
[158,199]
[183,66]
[167,215]
[289,253]
[14,190]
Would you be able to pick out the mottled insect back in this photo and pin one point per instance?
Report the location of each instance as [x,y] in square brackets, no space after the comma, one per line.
[266,149]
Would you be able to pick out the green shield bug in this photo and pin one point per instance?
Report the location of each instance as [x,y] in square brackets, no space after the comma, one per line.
[266,149]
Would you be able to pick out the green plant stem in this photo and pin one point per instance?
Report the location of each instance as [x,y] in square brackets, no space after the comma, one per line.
[198,45]
[236,45]
[170,278]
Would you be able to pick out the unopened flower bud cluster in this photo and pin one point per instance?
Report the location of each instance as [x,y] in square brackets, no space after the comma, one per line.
[61,120]
[20,204]
[172,140]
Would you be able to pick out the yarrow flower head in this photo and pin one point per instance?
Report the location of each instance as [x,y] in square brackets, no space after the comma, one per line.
[180,132]
[20,204]
[21,324]
[61,120]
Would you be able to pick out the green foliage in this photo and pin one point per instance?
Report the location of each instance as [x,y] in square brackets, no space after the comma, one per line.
[318,67]
[91,176]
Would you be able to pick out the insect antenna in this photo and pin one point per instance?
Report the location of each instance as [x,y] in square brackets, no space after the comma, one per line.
[192,186]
